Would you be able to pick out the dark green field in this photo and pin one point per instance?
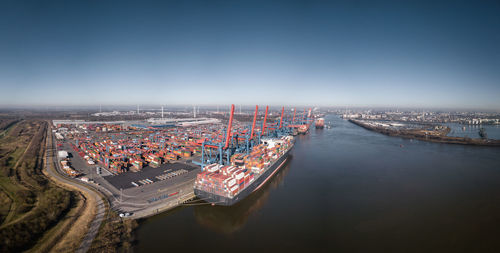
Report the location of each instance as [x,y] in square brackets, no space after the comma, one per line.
[29,203]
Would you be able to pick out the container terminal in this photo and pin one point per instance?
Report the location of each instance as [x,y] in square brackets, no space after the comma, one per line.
[250,166]
[147,166]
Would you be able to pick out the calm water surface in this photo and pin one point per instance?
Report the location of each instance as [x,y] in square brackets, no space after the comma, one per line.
[472,131]
[347,189]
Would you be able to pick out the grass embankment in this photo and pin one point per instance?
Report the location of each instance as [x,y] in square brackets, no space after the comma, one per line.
[6,125]
[115,234]
[31,204]
[67,235]
[76,226]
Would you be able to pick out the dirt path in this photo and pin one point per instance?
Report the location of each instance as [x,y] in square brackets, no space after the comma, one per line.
[94,226]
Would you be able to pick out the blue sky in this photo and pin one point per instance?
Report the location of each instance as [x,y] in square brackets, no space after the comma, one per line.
[364,53]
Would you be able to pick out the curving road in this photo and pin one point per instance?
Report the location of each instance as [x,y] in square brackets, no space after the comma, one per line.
[54,172]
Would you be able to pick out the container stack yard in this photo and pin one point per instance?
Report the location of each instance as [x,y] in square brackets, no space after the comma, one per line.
[131,151]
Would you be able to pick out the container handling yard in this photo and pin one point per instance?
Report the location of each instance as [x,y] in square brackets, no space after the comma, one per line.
[146,167]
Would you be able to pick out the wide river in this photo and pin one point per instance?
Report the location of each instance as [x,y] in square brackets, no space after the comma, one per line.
[347,189]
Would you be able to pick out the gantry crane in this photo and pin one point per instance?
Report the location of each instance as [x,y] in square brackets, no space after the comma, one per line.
[220,146]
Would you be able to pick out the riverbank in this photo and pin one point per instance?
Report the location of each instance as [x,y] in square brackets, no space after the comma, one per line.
[424,135]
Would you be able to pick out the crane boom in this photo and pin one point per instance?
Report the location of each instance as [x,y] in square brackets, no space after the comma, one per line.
[228,134]
[254,120]
[282,112]
[264,125]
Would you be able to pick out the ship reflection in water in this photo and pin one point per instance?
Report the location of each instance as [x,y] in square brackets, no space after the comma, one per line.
[230,219]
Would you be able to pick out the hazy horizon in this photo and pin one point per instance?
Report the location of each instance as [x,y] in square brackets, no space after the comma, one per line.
[226,107]
[436,54]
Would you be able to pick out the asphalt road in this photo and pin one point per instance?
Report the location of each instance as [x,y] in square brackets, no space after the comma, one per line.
[96,223]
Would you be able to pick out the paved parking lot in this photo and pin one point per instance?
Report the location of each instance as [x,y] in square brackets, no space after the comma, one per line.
[124,180]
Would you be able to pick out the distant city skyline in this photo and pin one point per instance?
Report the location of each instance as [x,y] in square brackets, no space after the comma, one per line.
[436,54]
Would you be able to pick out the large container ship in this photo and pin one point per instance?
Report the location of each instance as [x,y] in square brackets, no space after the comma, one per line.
[228,184]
